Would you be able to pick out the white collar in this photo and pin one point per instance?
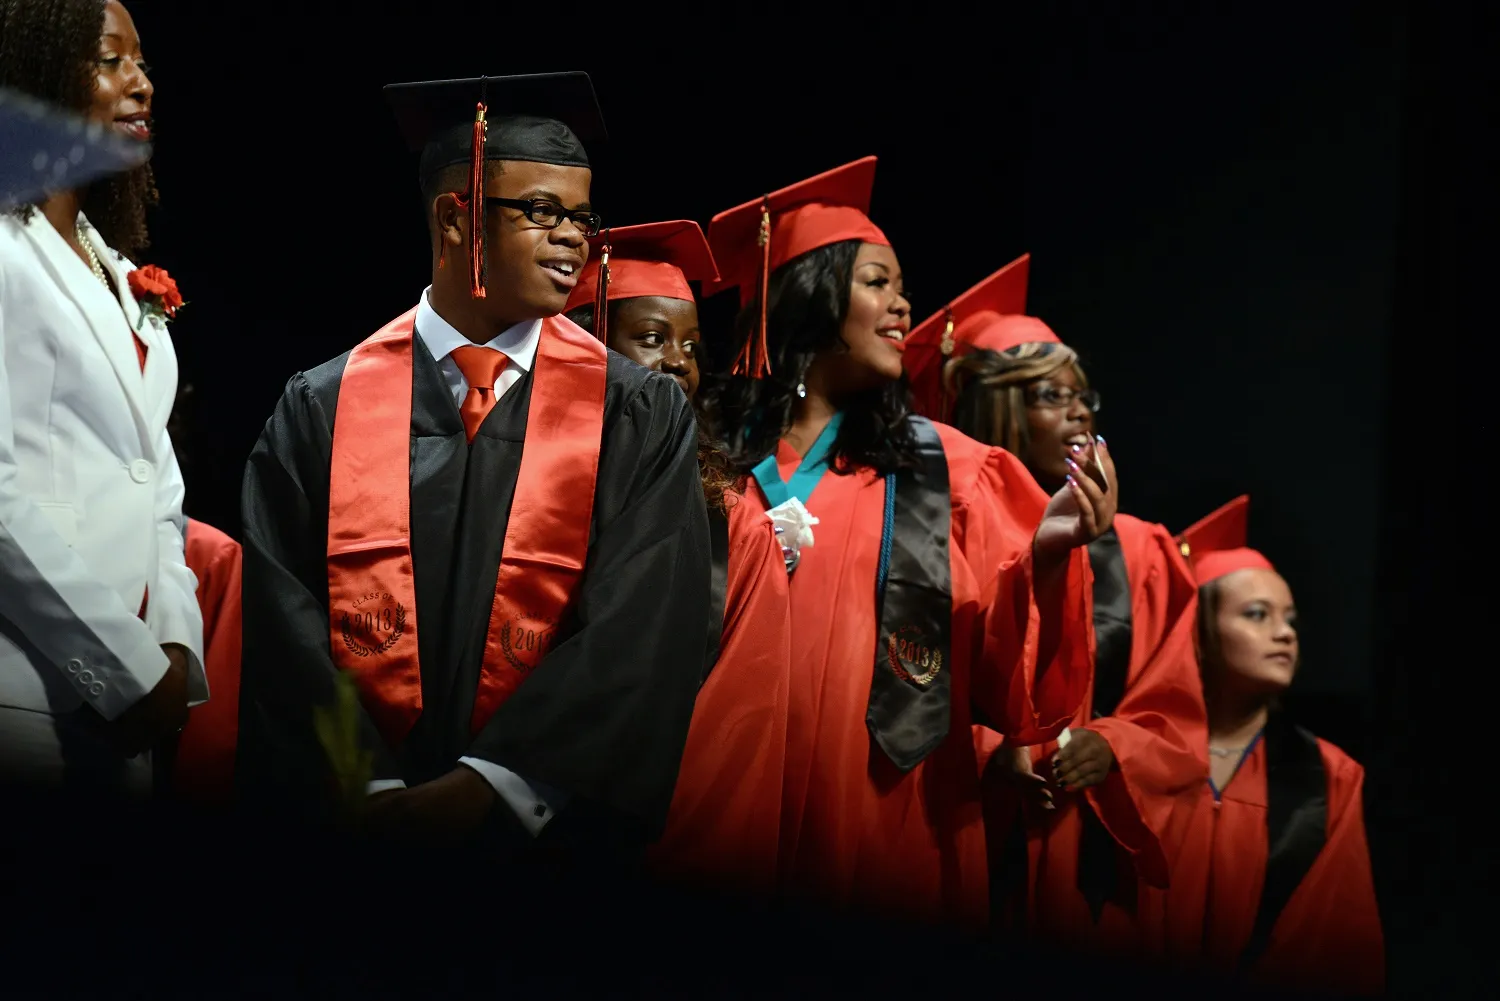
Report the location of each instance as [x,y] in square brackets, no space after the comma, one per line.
[518,343]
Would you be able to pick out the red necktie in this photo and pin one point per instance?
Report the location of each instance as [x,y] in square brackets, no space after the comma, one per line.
[481,368]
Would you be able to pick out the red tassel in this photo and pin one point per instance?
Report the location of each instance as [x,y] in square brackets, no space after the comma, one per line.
[754,358]
[478,264]
[945,347]
[601,295]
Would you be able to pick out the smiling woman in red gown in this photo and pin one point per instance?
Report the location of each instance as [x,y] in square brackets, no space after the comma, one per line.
[722,828]
[1274,876]
[1097,807]
[926,588]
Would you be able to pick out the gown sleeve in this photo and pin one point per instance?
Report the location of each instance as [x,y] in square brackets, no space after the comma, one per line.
[1018,688]
[1159,731]
[724,824]
[288,667]
[1329,935]
[205,755]
[607,719]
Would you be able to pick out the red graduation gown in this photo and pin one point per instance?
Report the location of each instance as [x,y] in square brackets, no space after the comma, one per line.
[855,831]
[1159,736]
[724,822]
[1328,937]
[204,771]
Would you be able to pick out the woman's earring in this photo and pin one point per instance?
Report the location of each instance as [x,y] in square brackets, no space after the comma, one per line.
[802,390]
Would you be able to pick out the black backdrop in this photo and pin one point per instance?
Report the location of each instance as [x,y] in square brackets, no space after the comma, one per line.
[1237,217]
[1211,203]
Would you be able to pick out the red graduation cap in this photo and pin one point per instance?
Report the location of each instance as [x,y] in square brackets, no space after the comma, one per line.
[990,315]
[754,239]
[656,258]
[1215,546]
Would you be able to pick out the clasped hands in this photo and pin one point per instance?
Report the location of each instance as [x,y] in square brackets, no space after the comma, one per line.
[450,808]
[1085,762]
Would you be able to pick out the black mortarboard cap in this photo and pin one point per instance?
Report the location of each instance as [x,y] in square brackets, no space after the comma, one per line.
[44,149]
[540,117]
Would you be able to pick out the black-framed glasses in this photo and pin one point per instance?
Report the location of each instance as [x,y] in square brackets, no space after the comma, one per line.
[1061,397]
[550,215]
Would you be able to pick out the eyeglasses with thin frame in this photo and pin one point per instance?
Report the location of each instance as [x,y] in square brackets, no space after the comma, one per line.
[550,215]
[1061,397]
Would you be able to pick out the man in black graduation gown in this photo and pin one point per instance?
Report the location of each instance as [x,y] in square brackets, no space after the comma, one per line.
[594,735]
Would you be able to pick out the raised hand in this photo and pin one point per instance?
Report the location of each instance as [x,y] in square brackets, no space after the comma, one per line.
[1084,508]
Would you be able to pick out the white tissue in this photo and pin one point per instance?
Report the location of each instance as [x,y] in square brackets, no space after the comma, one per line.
[795,523]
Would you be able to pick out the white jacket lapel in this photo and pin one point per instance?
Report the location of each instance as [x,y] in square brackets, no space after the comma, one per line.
[105,314]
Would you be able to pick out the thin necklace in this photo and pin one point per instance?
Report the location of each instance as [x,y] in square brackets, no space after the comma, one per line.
[94,263]
[1224,752]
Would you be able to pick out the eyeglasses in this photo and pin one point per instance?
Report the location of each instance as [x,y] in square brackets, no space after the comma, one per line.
[1061,397]
[550,215]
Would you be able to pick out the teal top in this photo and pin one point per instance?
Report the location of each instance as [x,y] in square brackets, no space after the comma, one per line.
[808,474]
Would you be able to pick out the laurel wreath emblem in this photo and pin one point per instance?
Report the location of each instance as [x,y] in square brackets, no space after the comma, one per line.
[362,649]
[510,655]
[920,680]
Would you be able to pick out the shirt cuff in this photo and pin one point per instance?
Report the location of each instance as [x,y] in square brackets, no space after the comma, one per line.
[383,785]
[533,803]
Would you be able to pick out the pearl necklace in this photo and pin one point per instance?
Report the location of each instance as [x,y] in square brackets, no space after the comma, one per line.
[1224,752]
[94,263]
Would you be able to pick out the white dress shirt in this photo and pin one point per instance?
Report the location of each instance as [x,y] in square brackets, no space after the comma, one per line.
[532,802]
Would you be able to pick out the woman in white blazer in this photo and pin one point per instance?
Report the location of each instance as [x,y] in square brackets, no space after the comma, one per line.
[100,632]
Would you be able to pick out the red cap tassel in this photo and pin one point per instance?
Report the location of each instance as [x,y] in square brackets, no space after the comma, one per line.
[601,295]
[945,396]
[478,264]
[754,358]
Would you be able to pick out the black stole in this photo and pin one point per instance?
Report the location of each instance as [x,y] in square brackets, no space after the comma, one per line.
[909,707]
[1101,877]
[1296,823]
[718,585]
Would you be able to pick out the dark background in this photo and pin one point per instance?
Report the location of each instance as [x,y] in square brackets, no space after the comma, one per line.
[1211,201]
[1249,223]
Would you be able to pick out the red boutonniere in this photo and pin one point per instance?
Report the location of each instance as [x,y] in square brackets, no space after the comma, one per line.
[157,293]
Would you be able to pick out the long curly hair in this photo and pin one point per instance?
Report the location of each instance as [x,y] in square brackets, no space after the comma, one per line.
[713,465]
[808,301]
[989,390]
[49,49]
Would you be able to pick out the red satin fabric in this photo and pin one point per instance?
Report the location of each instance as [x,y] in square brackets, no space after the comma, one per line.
[1159,736]
[723,828]
[372,595]
[481,368]
[630,279]
[1212,566]
[547,537]
[856,832]
[204,771]
[806,228]
[1328,937]
[372,592]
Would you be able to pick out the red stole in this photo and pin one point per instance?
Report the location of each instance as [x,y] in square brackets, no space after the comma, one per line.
[371,587]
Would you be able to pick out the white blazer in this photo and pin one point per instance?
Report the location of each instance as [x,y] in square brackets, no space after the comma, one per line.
[90,492]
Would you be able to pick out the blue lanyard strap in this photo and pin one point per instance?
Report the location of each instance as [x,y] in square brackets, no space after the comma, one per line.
[806,478]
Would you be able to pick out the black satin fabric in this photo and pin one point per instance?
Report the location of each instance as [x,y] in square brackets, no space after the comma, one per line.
[623,674]
[1103,874]
[908,720]
[1296,823]
[1112,631]
[718,585]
